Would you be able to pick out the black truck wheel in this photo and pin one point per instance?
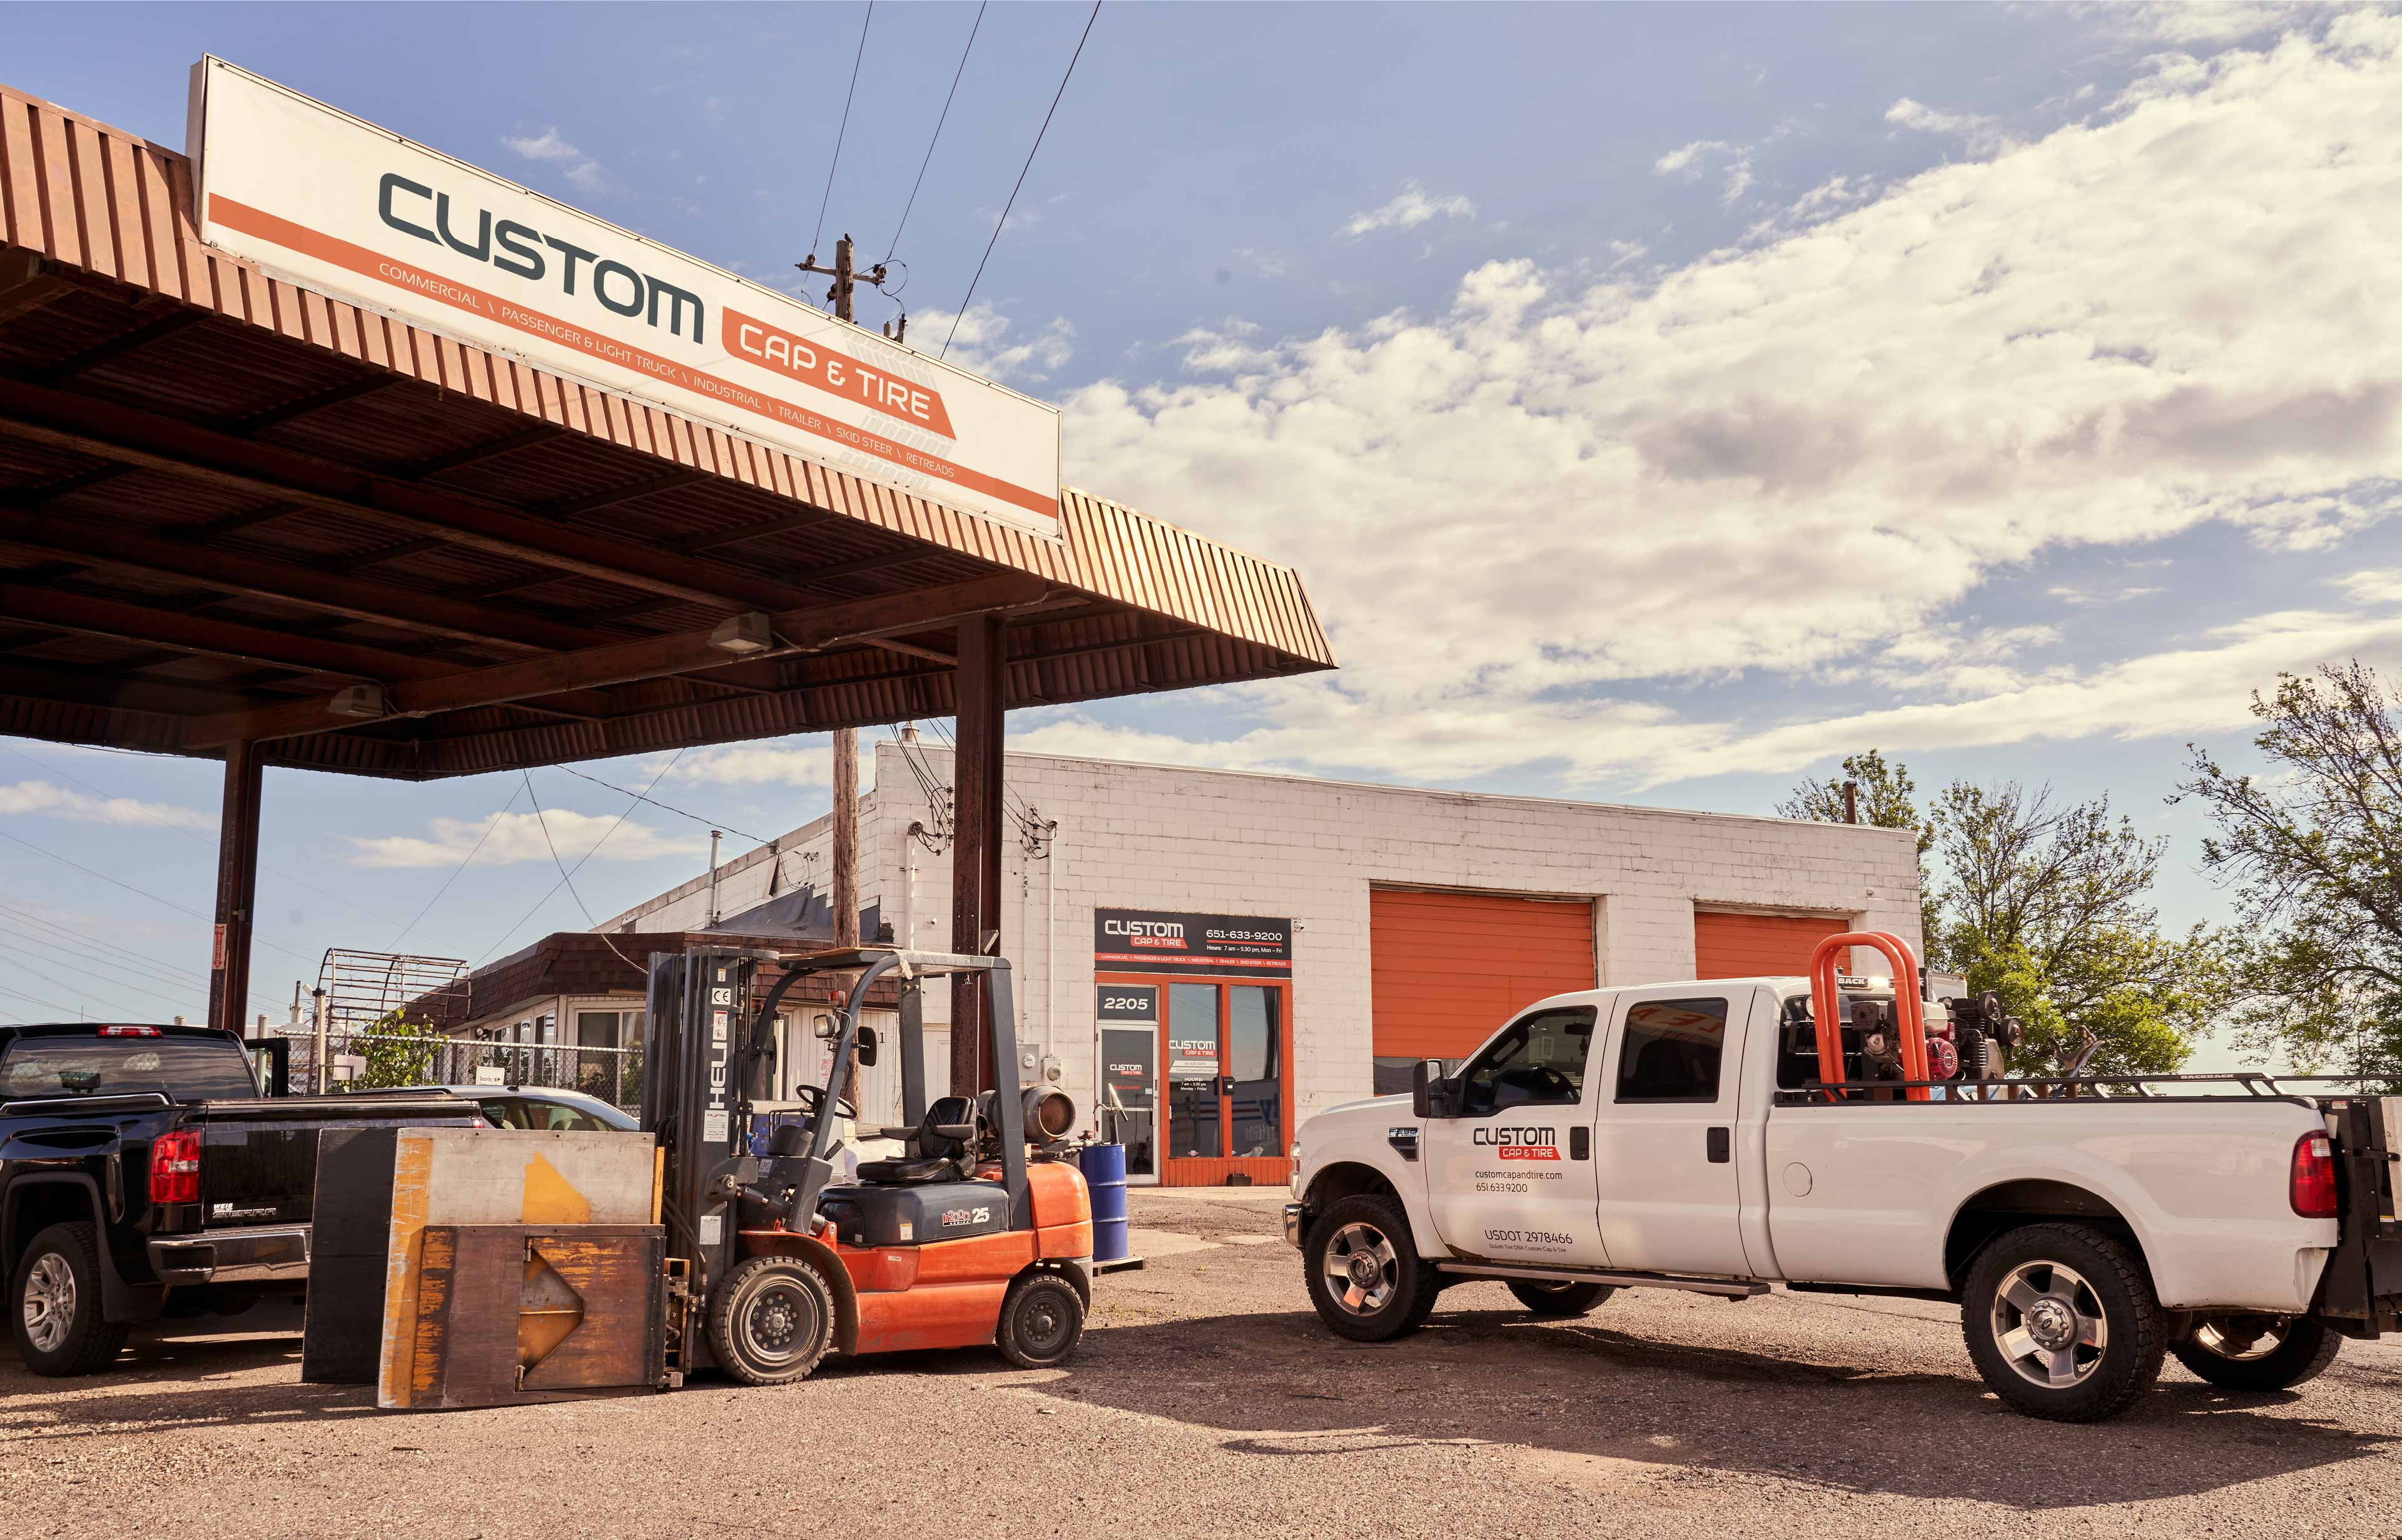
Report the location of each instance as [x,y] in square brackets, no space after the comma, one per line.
[1545,1297]
[2063,1324]
[771,1322]
[1365,1276]
[2258,1351]
[1040,1323]
[54,1304]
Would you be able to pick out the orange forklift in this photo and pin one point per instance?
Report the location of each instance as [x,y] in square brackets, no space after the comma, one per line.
[981,1231]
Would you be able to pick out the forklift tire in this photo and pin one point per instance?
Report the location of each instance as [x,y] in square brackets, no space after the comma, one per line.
[2063,1324]
[1364,1272]
[771,1322]
[2258,1351]
[1561,1300]
[55,1305]
[1040,1323]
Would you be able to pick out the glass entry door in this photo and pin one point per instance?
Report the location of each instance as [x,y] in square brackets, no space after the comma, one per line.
[1224,1046]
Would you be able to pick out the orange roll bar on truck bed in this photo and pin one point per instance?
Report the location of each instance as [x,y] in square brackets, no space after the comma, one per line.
[1826,1006]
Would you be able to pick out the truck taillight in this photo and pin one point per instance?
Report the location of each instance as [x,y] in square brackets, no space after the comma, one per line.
[175,1168]
[2311,1186]
[129,1031]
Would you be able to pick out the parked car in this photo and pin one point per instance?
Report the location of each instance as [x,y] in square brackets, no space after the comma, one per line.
[1676,1137]
[143,1174]
[542,1107]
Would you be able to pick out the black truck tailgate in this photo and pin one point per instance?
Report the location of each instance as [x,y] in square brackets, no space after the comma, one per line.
[258,1158]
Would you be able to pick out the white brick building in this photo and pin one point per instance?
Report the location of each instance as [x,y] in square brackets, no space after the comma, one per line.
[1418,920]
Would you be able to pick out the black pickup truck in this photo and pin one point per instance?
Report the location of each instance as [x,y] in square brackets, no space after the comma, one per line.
[156,1171]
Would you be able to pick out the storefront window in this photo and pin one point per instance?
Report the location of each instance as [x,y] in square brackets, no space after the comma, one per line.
[1259,1080]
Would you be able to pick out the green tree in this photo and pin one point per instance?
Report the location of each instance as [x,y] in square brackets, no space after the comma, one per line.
[2312,849]
[1886,797]
[399,1053]
[2047,906]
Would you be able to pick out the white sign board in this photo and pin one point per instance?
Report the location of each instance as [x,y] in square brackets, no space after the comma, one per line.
[315,195]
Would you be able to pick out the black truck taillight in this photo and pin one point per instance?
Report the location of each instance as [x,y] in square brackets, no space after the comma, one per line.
[175,1168]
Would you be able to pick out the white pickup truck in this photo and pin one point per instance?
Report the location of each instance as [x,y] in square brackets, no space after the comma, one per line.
[1679,1136]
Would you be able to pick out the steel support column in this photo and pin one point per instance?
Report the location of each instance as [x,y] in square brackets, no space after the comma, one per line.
[237,887]
[981,692]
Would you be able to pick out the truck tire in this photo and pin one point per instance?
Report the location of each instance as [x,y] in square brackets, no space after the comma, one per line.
[2258,1351]
[771,1321]
[1561,1300]
[1365,1275]
[2063,1324]
[54,1304]
[1040,1323]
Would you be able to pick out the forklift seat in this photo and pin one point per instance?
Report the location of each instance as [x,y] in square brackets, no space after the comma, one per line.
[906,1173]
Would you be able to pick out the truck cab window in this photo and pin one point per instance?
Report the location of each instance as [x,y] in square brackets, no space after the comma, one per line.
[1538,1062]
[1670,1051]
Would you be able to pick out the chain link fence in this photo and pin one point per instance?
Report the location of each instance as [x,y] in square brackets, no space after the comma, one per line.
[383,1058]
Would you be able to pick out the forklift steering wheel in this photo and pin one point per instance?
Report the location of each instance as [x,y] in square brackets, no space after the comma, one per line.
[811,1095]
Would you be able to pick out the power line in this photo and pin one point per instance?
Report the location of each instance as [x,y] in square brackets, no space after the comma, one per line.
[1004,221]
[188,834]
[530,913]
[490,824]
[110,953]
[20,995]
[140,892]
[640,796]
[845,129]
[544,824]
[939,121]
[180,1003]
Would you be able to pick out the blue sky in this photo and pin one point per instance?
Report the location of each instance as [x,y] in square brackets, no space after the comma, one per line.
[1659,401]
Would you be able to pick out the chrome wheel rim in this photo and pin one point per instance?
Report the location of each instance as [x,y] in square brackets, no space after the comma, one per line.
[2049,1324]
[2241,1338]
[49,1302]
[1362,1270]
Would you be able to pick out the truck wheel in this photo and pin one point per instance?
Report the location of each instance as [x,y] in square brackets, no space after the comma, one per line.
[55,1305]
[1561,1300]
[2258,1351]
[2063,1324]
[1040,1323]
[1365,1274]
[771,1322]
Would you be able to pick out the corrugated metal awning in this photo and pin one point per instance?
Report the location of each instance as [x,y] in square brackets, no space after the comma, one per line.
[224,499]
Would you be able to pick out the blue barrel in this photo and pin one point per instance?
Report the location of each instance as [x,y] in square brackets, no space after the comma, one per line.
[1104,1168]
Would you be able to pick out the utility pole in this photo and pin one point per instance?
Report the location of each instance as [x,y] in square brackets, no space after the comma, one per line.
[846,740]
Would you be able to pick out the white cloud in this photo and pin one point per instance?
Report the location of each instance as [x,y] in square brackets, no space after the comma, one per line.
[1409,209]
[518,837]
[1733,161]
[1981,135]
[1528,520]
[38,798]
[759,764]
[584,174]
[982,343]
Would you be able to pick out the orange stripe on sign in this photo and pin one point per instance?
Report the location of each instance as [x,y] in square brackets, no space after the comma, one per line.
[459,296]
[815,364]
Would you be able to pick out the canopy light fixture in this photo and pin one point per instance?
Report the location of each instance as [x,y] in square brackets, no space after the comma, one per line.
[743,634]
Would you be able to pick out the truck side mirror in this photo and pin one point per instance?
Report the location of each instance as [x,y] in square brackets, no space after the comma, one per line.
[866,1045]
[1430,1093]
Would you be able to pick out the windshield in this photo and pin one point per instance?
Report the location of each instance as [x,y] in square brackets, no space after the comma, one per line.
[183,1069]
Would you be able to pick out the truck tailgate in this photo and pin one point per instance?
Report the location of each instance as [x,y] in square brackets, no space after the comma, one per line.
[258,1158]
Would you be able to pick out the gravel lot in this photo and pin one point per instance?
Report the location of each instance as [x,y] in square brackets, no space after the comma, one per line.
[1206,1401]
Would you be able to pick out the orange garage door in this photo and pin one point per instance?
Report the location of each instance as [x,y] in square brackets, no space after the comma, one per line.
[1737,946]
[1450,968]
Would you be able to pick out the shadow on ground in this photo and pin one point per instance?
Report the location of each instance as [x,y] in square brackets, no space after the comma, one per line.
[1282,1387]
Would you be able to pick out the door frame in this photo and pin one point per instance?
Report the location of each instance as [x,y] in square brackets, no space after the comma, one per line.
[1212,1171]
